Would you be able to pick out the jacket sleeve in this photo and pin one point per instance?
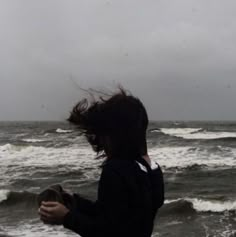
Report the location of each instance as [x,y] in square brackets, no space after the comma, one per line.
[158,191]
[84,205]
[113,214]
[157,184]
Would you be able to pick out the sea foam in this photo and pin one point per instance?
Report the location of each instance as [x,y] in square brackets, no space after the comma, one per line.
[33,140]
[212,206]
[183,157]
[36,229]
[196,133]
[201,205]
[59,130]
[83,156]
[3,195]
[27,159]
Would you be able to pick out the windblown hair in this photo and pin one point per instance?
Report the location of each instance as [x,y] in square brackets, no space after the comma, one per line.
[122,118]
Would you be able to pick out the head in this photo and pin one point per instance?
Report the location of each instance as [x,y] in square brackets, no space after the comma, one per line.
[116,126]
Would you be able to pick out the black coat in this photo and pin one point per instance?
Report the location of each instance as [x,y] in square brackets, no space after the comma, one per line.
[129,195]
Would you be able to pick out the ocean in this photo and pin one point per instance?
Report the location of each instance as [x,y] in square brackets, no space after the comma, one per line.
[198,160]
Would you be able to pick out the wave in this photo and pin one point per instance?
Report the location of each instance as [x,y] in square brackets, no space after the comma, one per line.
[179,131]
[3,195]
[33,140]
[10,147]
[185,157]
[59,130]
[226,139]
[197,133]
[79,156]
[211,136]
[176,206]
[10,198]
[22,161]
[154,130]
[191,205]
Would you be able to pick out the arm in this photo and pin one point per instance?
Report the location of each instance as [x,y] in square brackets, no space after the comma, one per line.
[84,205]
[158,188]
[113,213]
[157,182]
[53,212]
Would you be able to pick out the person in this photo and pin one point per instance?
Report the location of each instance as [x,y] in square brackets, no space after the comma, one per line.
[131,187]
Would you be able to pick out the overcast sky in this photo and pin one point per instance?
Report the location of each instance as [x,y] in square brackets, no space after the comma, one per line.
[177,56]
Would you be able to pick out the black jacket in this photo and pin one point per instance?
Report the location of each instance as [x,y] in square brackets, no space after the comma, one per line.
[129,195]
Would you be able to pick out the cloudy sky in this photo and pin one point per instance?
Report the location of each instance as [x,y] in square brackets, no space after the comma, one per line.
[177,56]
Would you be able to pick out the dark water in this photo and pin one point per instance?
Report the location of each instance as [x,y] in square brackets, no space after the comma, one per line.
[198,159]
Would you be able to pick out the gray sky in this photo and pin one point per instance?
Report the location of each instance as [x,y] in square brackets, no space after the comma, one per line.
[178,56]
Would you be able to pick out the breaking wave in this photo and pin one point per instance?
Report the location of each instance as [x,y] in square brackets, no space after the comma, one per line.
[82,156]
[197,133]
[184,157]
[191,205]
[3,195]
[9,198]
[33,140]
[59,130]
[177,206]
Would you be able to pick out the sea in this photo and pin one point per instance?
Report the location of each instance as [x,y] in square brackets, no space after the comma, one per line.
[198,160]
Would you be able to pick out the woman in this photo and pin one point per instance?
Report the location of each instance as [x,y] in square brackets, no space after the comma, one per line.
[131,188]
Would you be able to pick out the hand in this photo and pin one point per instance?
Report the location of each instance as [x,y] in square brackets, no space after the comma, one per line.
[52,213]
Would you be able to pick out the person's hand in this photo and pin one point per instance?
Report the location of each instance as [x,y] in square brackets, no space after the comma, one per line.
[52,212]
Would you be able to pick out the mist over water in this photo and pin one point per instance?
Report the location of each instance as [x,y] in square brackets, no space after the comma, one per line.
[198,160]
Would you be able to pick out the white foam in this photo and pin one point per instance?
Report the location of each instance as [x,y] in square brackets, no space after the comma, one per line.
[3,195]
[172,201]
[6,147]
[45,156]
[183,157]
[22,160]
[213,206]
[196,133]
[210,135]
[38,230]
[59,130]
[33,140]
[10,148]
[179,131]
[207,206]
[82,156]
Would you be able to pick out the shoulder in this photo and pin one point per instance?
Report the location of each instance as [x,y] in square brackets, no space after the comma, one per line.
[120,167]
[117,163]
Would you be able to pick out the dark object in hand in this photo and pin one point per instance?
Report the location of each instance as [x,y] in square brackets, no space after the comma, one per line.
[55,193]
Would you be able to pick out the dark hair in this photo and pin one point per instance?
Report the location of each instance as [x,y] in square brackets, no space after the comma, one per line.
[122,118]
